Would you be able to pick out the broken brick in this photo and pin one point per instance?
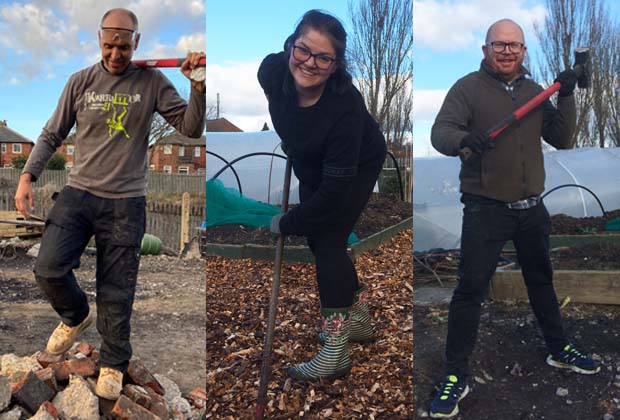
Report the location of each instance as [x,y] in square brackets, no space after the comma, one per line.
[138,395]
[198,397]
[30,392]
[45,359]
[49,407]
[140,375]
[80,367]
[85,348]
[47,375]
[158,405]
[125,409]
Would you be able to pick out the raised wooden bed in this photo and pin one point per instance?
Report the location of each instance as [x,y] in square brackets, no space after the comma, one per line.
[299,253]
[558,241]
[582,286]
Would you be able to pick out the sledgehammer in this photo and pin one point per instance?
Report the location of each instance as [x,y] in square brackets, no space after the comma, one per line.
[198,73]
[265,371]
[581,68]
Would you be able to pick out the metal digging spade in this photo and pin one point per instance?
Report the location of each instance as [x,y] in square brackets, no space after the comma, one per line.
[265,371]
[581,68]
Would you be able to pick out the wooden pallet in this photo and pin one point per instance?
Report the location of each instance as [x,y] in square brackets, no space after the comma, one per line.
[9,230]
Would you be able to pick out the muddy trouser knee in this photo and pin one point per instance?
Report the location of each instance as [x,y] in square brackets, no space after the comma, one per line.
[118,260]
[336,274]
[67,232]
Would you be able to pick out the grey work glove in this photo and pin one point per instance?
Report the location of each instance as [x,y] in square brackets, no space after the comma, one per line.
[274,226]
[568,80]
[477,142]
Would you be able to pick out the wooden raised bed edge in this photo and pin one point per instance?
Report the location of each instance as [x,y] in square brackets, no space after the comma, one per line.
[582,286]
[300,253]
[558,241]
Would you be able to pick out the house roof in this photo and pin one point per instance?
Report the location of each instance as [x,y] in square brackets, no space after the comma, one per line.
[179,139]
[9,136]
[222,125]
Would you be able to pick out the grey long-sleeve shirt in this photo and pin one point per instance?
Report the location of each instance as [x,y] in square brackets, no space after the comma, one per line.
[113,115]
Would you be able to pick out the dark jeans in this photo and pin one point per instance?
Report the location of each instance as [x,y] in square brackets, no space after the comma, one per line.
[335,272]
[118,226]
[487,226]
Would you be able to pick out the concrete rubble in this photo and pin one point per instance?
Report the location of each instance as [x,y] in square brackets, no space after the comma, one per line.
[47,387]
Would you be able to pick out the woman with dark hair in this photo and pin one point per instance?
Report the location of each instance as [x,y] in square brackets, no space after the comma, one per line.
[337,151]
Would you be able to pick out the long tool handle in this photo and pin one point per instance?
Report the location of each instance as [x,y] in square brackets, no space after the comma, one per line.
[265,371]
[581,70]
[465,153]
[165,62]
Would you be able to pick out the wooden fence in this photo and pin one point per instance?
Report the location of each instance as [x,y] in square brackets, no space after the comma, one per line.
[162,219]
[158,183]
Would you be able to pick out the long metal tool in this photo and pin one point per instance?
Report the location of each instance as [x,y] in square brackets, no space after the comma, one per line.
[164,62]
[581,68]
[265,371]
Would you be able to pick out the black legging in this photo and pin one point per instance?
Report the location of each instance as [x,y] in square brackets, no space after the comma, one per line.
[335,272]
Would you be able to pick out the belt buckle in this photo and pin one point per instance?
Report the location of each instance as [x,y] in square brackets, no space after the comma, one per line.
[524,204]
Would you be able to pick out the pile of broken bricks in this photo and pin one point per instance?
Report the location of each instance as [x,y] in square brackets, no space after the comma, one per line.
[48,387]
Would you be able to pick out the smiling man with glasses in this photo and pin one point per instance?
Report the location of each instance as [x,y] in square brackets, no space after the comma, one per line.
[111,103]
[501,186]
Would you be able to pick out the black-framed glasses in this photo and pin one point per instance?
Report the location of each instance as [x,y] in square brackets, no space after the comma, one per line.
[500,46]
[303,54]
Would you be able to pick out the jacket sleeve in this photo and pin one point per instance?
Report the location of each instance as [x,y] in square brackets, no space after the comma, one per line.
[55,130]
[559,123]
[188,118]
[451,122]
[271,73]
[339,167]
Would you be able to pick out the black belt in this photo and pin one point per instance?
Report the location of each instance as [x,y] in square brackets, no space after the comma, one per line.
[524,204]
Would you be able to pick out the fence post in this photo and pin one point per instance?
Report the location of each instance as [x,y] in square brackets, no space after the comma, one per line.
[185,208]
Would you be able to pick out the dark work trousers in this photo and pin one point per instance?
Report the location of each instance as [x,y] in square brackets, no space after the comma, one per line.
[335,272]
[487,226]
[118,226]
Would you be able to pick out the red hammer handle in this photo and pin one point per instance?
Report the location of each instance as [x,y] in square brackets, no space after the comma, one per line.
[165,62]
[521,112]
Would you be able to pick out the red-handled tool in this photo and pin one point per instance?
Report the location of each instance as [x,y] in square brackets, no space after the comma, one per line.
[581,68]
[165,62]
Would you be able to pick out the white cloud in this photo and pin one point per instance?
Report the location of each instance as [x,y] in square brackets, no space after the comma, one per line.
[43,35]
[426,103]
[193,42]
[448,26]
[242,100]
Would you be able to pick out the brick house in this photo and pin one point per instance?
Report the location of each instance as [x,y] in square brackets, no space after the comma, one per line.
[221,125]
[67,149]
[12,144]
[178,154]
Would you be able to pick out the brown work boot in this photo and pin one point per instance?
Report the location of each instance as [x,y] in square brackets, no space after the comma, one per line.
[109,384]
[64,336]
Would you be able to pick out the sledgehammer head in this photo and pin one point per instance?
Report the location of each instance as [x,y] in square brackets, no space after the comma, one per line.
[582,66]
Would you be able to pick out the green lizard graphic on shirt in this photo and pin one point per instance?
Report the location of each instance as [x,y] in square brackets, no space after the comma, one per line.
[116,122]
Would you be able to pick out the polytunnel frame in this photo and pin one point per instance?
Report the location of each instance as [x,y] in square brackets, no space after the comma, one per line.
[230,165]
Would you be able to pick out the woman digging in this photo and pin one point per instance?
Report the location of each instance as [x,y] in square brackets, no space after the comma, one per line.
[337,151]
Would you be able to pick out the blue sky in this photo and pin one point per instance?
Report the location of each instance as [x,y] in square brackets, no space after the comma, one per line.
[42,42]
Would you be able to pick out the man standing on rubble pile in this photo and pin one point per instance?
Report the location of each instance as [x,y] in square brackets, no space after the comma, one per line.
[501,186]
[112,104]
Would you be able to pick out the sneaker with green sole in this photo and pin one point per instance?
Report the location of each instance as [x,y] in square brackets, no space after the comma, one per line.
[571,358]
[446,403]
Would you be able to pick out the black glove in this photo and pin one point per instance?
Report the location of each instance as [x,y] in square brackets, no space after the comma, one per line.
[568,80]
[476,141]
[274,226]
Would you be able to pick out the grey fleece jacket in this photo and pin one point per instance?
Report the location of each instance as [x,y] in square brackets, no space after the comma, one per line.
[113,115]
[514,169]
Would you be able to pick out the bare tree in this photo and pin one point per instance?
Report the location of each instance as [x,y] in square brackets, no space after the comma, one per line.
[613,87]
[380,54]
[570,24]
[160,128]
